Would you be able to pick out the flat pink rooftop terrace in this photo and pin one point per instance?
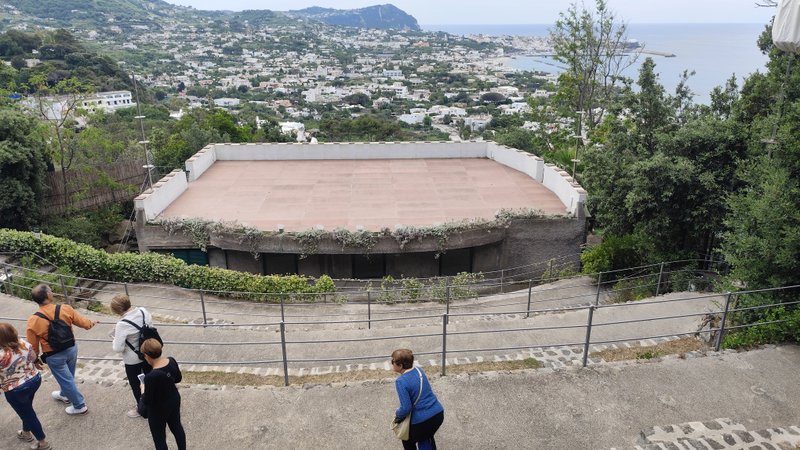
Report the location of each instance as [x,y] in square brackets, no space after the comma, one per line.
[300,194]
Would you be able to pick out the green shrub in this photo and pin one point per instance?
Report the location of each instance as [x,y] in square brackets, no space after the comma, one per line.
[632,290]
[412,288]
[689,279]
[557,271]
[771,333]
[86,228]
[460,285]
[404,289]
[614,253]
[88,262]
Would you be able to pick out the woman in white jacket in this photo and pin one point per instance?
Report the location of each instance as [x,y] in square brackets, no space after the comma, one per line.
[126,340]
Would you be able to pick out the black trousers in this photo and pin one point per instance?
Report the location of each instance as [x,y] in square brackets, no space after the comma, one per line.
[131,371]
[160,419]
[423,431]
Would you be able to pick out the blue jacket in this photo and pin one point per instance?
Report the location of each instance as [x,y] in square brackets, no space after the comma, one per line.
[407,386]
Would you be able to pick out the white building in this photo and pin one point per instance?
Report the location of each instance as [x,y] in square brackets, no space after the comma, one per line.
[226,102]
[393,74]
[477,123]
[107,101]
[296,129]
[56,107]
[417,118]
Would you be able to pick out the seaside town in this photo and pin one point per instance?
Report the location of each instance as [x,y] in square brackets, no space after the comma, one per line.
[295,70]
[322,228]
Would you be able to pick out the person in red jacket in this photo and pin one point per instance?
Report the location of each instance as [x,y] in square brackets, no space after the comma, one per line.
[62,363]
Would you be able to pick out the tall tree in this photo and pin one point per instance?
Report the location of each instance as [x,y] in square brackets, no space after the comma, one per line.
[56,104]
[592,46]
[22,170]
[666,184]
[763,238]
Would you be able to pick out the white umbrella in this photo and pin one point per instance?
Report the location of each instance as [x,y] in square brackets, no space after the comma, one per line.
[786,27]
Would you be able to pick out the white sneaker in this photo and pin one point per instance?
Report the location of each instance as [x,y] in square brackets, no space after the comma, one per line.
[57,396]
[132,414]
[71,410]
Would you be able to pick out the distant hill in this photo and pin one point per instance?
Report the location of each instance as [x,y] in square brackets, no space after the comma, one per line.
[138,15]
[71,12]
[378,16]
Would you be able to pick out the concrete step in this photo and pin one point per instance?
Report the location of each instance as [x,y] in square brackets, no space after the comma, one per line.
[719,434]
[690,430]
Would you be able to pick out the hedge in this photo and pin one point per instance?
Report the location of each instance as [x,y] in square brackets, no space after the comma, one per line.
[88,262]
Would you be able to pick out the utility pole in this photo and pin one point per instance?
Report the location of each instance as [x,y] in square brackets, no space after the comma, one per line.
[578,141]
[148,165]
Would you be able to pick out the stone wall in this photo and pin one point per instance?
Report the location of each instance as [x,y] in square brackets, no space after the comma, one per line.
[524,241]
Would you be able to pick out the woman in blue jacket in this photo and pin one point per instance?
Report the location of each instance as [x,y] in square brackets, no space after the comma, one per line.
[427,414]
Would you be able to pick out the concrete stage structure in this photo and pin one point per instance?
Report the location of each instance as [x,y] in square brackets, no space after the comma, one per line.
[364,210]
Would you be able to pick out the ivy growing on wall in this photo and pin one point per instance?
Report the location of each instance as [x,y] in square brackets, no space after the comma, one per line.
[200,231]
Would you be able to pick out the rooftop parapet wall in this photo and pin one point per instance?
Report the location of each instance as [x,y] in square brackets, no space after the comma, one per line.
[156,199]
[349,150]
[554,179]
[572,195]
[200,162]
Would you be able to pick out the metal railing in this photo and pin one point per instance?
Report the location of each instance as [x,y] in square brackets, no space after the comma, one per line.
[435,341]
[442,295]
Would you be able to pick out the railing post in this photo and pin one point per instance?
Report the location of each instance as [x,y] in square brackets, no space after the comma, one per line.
[282,313]
[599,282]
[64,289]
[588,335]
[283,352]
[369,309]
[718,343]
[447,298]
[8,279]
[126,290]
[530,289]
[502,277]
[203,306]
[660,274]
[444,344]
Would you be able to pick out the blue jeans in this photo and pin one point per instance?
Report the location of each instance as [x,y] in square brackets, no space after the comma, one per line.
[21,400]
[62,366]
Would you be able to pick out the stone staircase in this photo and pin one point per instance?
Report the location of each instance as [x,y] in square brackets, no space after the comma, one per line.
[718,434]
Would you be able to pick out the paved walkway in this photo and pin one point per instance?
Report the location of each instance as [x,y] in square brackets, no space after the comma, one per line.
[602,407]
[312,348]
[184,305]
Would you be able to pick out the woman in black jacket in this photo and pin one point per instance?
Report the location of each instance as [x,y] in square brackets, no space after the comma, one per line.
[160,396]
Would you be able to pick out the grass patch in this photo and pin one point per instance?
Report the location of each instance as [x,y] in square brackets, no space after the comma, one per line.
[491,366]
[249,379]
[161,319]
[102,308]
[678,346]
[99,307]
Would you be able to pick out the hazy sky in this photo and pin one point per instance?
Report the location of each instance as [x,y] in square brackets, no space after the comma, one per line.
[524,11]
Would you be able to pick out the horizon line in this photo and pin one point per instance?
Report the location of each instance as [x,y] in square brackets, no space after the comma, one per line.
[627,23]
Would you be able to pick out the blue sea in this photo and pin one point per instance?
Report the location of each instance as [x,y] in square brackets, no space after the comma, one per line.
[713,51]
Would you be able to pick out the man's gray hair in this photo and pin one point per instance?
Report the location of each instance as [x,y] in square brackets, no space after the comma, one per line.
[40,293]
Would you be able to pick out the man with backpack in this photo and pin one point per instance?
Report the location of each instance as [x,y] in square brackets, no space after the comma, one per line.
[51,329]
[135,327]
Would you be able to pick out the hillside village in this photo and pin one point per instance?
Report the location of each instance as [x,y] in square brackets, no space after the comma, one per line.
[299,69]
